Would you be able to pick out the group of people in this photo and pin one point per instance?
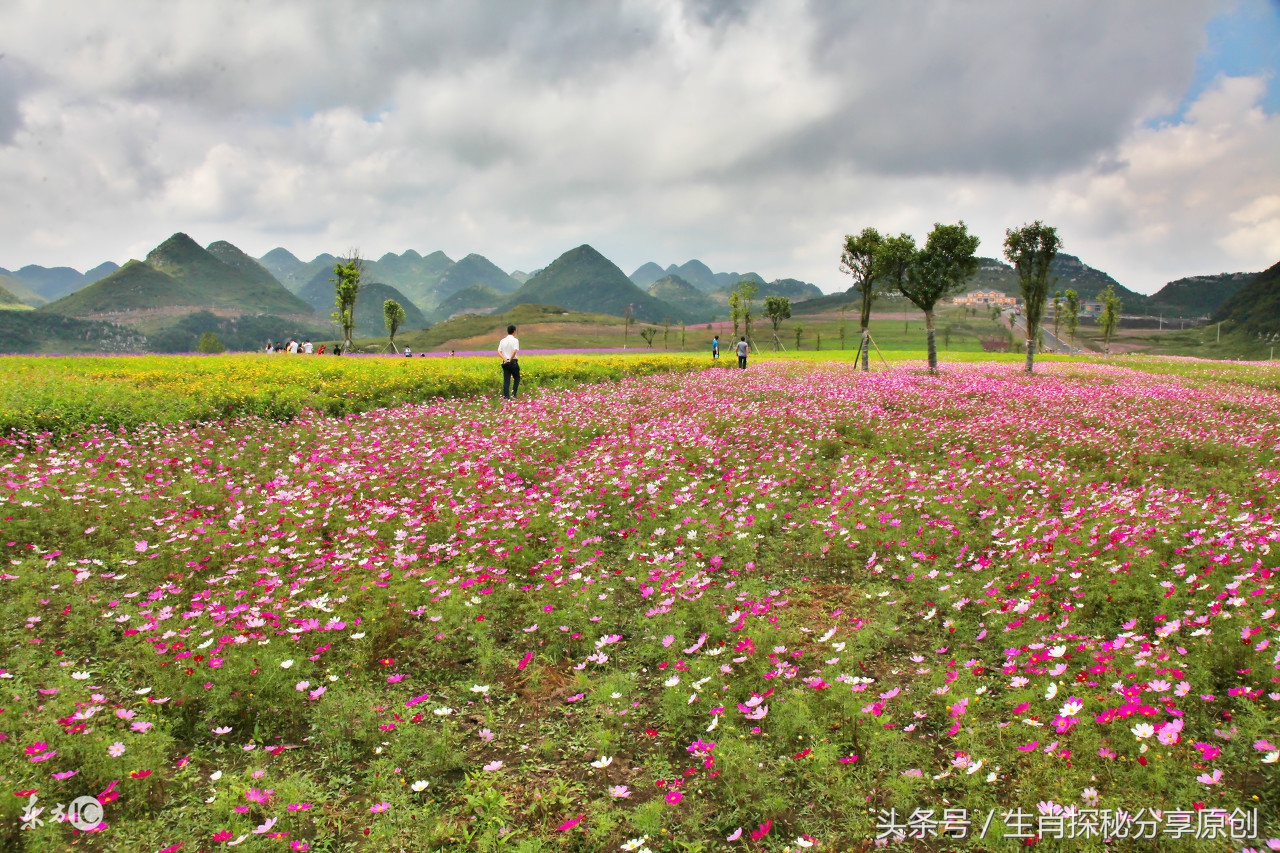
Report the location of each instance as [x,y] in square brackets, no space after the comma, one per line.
[293,347]
[741,347]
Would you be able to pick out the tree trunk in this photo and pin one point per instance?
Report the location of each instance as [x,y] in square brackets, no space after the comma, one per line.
[1031,354]
[931,343]
[866,349]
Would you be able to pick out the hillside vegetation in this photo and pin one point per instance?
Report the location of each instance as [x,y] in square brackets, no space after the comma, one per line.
[585,280]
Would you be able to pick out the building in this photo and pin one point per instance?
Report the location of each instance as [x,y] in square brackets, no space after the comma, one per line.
[986,297]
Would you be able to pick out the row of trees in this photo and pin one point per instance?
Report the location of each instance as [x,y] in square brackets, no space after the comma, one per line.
[943,266]
[348,277]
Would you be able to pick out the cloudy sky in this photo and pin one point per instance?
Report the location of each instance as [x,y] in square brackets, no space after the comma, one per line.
[752,135]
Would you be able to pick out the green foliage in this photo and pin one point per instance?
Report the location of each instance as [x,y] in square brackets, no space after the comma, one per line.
[798,330]
[648,333]
[347,275]
[777,309]
[392,315]
[1031,249]
[1072,299]
[1109,320]
[209,344]
[858,259]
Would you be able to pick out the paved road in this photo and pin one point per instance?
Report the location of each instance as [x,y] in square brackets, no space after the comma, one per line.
[1051,342]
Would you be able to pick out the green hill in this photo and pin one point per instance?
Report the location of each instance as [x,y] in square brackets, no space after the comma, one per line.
[280,262]
[241,284]
[646,274]
[179,273]
[135,286]
[792,288]
[21,291]
[476,299]
[7,299]
[100,272]
[416,276]
[37,332]
[693,304]
[582,279]
[50,282]
[1070,272]
[1255,309]
[1199,295]
[295,274]
[475,270]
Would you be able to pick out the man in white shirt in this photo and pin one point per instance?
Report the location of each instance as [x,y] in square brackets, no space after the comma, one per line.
[509,350]
[293,347]
[308,347]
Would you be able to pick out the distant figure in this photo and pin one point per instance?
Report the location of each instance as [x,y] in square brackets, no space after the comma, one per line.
[293,347]
[321,350]
[337,349]
[279,347]
[308,347]
[715,348]
[742,353]
[408,353]
[509,350]
[269,348]
[450,353]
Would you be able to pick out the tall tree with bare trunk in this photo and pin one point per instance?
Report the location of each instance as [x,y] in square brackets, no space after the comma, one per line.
[859,260]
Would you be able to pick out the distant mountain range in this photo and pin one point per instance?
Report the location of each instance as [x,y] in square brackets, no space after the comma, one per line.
[182,290]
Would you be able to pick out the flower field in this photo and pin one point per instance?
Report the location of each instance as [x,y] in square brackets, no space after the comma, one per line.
[796,607]
[63,395]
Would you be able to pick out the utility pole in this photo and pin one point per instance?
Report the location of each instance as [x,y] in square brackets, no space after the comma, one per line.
[1219,332]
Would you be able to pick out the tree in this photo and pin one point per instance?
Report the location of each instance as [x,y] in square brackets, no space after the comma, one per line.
[842,327]
[210,344]
[777,309]
[735,310]
[818,342]
[347,278]
[1031,249]
[746,291]
[393,315]
[1073,314]
[799,330]
[859,260]
[649,333]
[1109,320]
[928,275]
[628,317]
[666,330]
[946,337]
[682,336]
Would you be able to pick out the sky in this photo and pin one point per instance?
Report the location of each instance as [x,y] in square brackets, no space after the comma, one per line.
[750,135]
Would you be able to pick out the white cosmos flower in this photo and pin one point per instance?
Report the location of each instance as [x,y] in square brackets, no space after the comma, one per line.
[1142,731]
[602,762]
[1052,690]
[80,676]
[285,664]
[420,785]
[480,688]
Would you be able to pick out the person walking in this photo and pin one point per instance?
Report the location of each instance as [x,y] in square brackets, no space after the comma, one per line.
[742,353]
[715,348]
[509,350]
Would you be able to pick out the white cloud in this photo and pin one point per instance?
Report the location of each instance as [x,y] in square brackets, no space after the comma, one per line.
[751,135]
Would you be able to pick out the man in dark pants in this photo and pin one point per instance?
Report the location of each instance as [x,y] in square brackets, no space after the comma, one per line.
[742,348]
[509,350]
